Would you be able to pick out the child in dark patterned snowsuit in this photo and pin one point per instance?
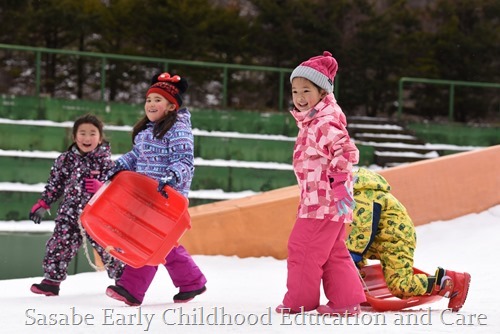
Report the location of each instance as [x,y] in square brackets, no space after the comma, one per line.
[163,150]
[74,177]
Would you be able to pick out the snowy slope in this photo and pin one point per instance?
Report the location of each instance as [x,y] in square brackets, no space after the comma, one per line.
[242,294]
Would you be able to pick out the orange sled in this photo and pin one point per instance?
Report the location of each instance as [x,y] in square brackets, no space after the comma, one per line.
[133,221]
[381,299]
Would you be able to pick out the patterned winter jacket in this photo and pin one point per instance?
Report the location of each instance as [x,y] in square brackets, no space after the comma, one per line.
[381,223]
[323,152]
[67,179]
[174,153]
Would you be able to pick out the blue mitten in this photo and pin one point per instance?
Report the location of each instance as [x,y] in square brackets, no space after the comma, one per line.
[168,180]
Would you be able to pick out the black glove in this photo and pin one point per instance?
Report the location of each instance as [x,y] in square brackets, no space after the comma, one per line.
[168,180]
[38,211]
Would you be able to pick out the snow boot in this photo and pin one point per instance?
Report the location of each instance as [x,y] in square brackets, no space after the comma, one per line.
[452,285]
[46,287]
[348,311]
[119,293]
[184,297]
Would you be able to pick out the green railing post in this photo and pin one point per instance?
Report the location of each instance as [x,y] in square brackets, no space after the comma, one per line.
[451,102]
[224,87]
[38,69]
[103,78]
[281,91]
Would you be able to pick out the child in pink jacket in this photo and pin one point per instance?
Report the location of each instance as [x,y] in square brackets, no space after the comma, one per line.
[323,158]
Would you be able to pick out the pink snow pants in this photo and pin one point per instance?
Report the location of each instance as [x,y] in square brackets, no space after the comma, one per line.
[317,252]
[183,271]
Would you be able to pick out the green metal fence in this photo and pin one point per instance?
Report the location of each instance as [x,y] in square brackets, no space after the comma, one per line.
[451,83]
[105,57]
[224,67]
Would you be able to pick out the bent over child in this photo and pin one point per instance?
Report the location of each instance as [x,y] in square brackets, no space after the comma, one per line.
[74,177]
[383,230]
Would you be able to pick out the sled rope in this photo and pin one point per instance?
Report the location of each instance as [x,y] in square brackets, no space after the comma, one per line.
[364,283]
[362,280]
[86,250]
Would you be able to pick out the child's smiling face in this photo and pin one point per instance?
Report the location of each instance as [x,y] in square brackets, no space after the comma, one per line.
[157,106]
[87,137]
[305,94]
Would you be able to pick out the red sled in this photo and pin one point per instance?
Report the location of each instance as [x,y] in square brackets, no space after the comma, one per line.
[381,299]
[134,222]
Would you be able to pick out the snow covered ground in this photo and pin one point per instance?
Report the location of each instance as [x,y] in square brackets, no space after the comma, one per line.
[242,295]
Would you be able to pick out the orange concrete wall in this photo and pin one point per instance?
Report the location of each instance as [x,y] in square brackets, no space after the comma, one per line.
[448,187]
[436,189]
[254,226]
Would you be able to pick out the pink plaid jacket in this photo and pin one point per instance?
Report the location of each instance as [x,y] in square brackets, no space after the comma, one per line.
[323,151]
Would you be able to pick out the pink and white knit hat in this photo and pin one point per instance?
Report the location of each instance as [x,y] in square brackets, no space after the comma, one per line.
[320,70]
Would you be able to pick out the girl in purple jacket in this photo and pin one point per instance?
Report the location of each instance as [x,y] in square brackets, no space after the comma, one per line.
[163,150]
[75,176]
[323,157]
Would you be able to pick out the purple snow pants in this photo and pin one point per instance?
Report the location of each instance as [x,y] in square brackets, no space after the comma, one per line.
[184,273]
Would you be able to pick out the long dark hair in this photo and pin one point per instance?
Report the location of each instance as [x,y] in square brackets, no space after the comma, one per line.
[160,128]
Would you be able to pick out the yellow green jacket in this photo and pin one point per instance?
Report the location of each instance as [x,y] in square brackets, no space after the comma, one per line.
[380,223]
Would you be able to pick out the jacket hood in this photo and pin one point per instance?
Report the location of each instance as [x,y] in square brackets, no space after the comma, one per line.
[367,179]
